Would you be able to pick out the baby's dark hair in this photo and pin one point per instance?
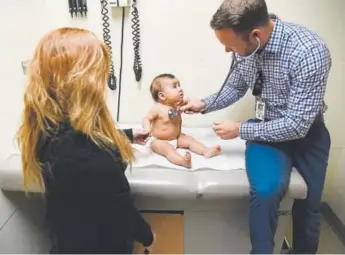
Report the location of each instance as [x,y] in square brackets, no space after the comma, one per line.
[156,85]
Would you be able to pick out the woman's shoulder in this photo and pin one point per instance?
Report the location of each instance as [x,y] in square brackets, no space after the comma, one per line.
[72,147]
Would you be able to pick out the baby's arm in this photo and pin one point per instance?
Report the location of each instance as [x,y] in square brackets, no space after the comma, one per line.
[149,118]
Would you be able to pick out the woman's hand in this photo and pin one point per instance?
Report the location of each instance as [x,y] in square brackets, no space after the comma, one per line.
[140,136]
[150,248]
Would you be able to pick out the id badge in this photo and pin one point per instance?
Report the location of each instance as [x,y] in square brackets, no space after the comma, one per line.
[260,109]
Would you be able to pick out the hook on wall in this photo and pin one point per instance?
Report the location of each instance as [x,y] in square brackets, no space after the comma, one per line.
[25,65]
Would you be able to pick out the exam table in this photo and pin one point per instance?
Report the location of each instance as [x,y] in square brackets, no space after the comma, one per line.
[211,199]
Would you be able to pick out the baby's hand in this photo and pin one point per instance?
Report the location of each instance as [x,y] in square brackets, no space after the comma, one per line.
[148,131]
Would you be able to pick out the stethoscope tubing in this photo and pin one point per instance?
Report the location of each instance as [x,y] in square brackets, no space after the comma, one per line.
[234,64]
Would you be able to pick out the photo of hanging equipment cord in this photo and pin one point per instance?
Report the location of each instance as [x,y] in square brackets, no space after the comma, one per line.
[107,41]
[136,41]
[121,58]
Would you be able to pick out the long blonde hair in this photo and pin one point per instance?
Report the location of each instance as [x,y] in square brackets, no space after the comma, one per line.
[67,78]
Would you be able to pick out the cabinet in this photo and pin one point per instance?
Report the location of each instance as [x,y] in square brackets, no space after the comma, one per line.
[168,228]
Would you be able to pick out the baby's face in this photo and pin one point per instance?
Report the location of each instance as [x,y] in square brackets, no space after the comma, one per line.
[172,90]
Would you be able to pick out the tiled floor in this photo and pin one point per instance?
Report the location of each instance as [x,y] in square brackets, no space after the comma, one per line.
[329,241]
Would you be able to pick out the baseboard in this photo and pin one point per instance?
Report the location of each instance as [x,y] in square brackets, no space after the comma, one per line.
[333,220]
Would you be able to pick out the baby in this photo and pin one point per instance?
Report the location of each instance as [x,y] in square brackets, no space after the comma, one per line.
[165,131]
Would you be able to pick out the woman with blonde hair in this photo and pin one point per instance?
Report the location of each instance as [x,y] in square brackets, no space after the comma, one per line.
[71,148]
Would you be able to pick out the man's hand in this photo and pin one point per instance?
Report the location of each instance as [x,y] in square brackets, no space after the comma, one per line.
[227,129]
[191,106]
[140,136]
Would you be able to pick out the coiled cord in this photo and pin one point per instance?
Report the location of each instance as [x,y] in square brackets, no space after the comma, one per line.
[137,67]
[106,38]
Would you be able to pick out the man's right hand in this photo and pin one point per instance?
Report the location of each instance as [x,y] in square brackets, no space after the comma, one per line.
[192,106]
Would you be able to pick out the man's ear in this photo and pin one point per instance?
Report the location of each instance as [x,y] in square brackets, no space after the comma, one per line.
[161,96]
[254,36]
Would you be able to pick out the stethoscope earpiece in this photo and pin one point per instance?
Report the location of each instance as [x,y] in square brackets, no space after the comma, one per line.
[258,40]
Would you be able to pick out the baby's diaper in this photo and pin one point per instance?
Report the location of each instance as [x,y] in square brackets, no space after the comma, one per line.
[172,142]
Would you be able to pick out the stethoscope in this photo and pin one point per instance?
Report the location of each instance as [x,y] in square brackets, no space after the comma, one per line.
[234,64]
[173,113]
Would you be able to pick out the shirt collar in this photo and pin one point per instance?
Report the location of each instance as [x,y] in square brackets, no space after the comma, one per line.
[274,42]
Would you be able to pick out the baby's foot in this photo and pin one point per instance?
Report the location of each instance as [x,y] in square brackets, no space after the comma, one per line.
[187,160]
[212,151]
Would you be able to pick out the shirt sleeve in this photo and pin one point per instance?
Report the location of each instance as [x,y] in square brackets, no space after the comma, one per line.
[129,134]
[134,223]
[305,102]
[234,90]
[125,215]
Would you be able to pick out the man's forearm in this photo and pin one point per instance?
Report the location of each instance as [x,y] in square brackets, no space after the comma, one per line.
[227,97]
[279,130]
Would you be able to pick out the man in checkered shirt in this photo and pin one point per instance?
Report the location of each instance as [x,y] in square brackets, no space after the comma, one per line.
[288,75]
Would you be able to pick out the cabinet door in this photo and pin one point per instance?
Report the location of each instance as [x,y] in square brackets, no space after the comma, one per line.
[168,229]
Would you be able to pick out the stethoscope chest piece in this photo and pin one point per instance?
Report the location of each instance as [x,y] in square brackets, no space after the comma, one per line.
[173,113]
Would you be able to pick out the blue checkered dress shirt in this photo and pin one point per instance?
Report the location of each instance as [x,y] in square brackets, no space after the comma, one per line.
[295,65]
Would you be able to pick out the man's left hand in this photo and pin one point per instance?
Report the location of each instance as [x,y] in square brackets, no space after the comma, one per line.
[140,136]
[226,129]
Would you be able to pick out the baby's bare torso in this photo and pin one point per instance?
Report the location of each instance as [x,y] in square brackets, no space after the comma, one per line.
[164,128]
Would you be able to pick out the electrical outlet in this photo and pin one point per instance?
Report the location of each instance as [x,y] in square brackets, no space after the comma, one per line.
[119,3]
[25,65]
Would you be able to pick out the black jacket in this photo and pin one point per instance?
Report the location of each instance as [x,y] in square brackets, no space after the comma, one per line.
[88,198]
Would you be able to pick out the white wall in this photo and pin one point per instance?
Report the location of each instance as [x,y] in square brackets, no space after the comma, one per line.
[176,38]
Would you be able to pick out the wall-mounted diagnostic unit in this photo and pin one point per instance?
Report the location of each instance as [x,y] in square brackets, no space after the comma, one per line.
[137,66]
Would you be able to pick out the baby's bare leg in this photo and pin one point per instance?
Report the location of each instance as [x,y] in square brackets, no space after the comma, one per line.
[188,142]
[165,149]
